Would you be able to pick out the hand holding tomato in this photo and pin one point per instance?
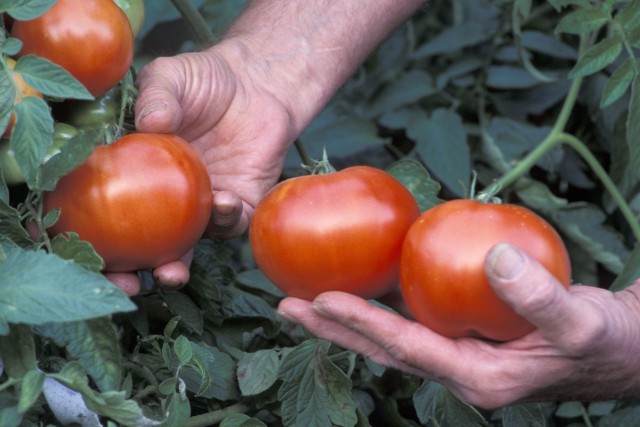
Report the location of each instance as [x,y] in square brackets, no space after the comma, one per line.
[584,347]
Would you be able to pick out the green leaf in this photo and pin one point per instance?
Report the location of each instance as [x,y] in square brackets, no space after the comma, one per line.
[214,374]
[629,273]
[18,351]
[10,417]
[618,83]
[629,16]
[255,279]
[11,46]
[30,390]
[184,307]
[314,391]
[25,10]
[72,154]
[407,89]
[257,372]
[11,226]
[585,224]
[241,420]
[178,412]
[73,249]
[35,285]
[582,21]
[633,125]
[418,181]
[510,77]
[441,142]
[436,404]
[32,135]
[524,414]
[570,409]
[94,344]
[7,97]
[623,417]
[455,38]
[182,348]
[548,44]
[50,79]
[597,57]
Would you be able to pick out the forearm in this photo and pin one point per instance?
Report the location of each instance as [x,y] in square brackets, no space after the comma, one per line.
[307,49]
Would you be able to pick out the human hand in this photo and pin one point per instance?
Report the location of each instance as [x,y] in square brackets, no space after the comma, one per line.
[584,347]
[232,115]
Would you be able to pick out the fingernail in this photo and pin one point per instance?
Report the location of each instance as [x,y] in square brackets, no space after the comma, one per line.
[150,108]
[505,261]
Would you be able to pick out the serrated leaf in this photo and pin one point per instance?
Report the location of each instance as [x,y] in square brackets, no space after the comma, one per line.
[32,135]
[7,97]
[215,376]
[455,38]
[585,225]
[618,83]
[633,125]
[11,226]
[257,372]
[582,21]
[418,181]
[24,10]
[441,142]
[597,57]
[434,403]
[70,247]
[50,79]
[629,273]
[182,348]
[184,307]
[18,351]
[30,389]
[524,414]
[629,16]
[35,285]
[72,154]
[11,46]
[241,420]
[94,344]
[406,89]
[314,391]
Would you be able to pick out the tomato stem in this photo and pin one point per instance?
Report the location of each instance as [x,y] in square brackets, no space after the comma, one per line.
[215,417]
[202,34]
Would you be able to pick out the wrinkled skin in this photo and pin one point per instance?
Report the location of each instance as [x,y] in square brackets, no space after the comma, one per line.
[585,347]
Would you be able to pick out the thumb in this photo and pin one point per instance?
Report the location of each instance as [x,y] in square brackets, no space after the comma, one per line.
[157,108]
[533,292]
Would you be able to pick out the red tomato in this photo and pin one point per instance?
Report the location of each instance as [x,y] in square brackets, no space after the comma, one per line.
[442,267]
[91,39]
[142,201]
[338,231]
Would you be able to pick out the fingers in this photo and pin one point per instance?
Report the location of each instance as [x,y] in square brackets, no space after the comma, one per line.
[173,275]
[157,107]
[385,337]
[229,217]
[535,294]
[127,282]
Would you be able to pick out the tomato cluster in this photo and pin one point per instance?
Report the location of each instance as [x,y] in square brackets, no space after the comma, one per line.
[359,231]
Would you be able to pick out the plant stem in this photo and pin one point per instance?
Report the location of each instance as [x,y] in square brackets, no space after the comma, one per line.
[610,186]
[215,417]
[202,34]
[302,152]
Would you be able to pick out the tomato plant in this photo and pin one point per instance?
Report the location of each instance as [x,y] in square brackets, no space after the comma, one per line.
[141,202]
[23,90]
[91,39]
[336,231]
[442,266]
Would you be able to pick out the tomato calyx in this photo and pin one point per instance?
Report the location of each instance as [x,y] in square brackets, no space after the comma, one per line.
[488,195]
[320,167]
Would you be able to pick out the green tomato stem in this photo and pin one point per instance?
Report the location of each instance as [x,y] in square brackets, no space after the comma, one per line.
[215,417]
[202,34]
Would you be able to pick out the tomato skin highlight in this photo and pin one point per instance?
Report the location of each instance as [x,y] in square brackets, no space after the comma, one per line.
[442,267]
[337,231]
[142,201]
[91,39]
